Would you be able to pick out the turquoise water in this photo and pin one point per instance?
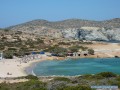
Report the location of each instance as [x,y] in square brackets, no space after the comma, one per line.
[77,67]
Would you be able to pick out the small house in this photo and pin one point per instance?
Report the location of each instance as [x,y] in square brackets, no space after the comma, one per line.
[1,56]
[70,54]
[75,54]
[47,54]
[85,53]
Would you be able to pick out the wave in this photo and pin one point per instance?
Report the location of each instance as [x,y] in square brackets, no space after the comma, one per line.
[33,73]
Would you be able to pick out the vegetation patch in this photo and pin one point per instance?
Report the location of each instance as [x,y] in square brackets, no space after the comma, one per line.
[29,85]
[32,77]
[78,87]
[62,79]
[107,74]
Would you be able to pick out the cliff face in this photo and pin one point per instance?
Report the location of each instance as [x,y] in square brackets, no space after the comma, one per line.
[101,34]
[73,28]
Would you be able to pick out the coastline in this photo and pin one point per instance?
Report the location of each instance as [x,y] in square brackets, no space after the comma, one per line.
[17,69]
[29,69]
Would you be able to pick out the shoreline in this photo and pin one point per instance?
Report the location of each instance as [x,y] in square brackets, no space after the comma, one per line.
[29,69]
[18,69]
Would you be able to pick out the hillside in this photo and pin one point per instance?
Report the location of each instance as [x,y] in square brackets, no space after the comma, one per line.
[73,28]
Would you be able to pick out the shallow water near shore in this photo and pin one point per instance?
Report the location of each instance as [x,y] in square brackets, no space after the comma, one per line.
[73,67]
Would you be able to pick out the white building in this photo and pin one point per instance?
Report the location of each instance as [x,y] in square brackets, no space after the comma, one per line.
[1,56]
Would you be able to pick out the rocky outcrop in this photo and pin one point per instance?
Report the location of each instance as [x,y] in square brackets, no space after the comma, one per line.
[98,35]
[108,30]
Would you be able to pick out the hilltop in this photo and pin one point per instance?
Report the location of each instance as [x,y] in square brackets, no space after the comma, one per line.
[107,30]
[70,23]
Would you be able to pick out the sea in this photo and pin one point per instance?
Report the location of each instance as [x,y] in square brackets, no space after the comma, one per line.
[75,67]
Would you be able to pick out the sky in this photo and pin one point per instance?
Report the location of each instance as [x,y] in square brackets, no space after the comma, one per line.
[13,12]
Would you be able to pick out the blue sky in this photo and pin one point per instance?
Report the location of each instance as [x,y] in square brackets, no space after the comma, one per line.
[14,12]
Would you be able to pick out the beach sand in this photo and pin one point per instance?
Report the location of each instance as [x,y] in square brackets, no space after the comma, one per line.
[14,68]
[11,68]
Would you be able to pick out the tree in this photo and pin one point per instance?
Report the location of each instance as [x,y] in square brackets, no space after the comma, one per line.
[8,55]
[74,48]
[57,50]
[91,51]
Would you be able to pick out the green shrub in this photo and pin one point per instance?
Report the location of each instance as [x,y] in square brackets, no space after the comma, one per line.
[76,48]
[39,41]
[4,38]
[62,79]
[118,78]
[28,85]
[86,76]
[107,74]
[63,43]
[3,86]
[118,84]
[2,47]
[18,32]
[56,50]
[6,30]
[31,77]
[78,87]
[89,76]
[97,77]
[14,49]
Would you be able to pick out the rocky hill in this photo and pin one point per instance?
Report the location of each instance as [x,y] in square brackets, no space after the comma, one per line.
[73,28]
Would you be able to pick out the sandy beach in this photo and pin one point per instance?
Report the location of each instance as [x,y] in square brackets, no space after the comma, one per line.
[14,68]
